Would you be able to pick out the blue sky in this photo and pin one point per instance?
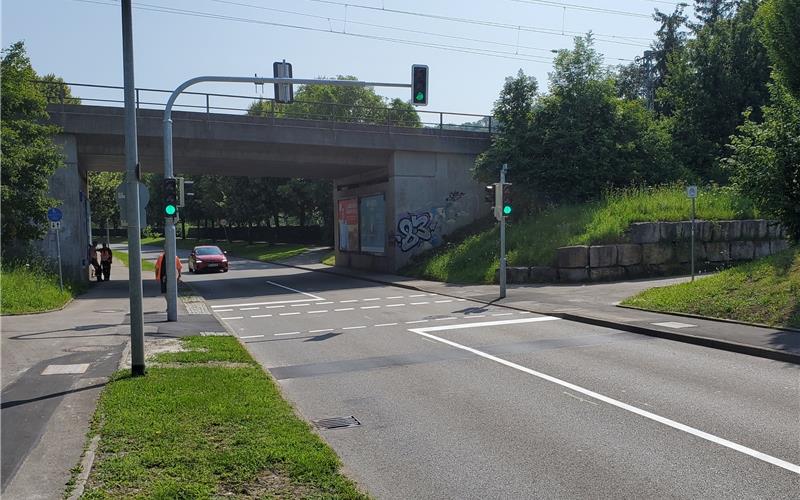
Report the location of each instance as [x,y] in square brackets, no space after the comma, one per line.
[80,40]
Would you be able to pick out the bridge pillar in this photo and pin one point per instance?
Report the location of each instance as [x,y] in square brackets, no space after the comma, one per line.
[69,185]
[386,217]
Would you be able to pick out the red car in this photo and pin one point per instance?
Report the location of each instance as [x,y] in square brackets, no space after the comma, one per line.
[207,258]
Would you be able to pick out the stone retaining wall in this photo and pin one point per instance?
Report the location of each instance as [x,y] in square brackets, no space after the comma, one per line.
[660,249]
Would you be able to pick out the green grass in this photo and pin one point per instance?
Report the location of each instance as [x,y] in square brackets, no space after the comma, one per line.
[208,431]
[766,291]
[533,240]
[260,251]
[32,289]
[123,257]
[329,259]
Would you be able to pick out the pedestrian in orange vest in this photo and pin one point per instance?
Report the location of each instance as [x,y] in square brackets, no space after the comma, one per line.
[161,271]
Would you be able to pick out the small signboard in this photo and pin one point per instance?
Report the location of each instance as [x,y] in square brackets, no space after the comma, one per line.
[691,192]
[55,225]
[54,214]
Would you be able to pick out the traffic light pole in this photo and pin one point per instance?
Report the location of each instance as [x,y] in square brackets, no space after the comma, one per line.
[170,250]
[132,198]
[502,277]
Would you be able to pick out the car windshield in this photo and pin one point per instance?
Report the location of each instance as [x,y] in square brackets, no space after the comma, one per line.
[208,251]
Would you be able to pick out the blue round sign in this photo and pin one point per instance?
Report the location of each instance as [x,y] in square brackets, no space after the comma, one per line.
[54,214]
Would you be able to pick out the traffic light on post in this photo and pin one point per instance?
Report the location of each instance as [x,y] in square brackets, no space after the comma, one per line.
[170,197]
[419,85]
[489,195]
[507,203]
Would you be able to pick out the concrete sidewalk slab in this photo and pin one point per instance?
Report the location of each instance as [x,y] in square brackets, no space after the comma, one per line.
[596,304]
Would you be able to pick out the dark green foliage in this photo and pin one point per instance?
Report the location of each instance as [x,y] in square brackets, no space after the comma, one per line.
[780,33]
[765,162]
[102,198]
[29,155]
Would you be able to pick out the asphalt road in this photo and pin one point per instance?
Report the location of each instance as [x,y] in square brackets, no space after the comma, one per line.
[460,400]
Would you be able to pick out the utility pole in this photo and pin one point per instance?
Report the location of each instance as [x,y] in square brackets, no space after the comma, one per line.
[502,232]
[132,180]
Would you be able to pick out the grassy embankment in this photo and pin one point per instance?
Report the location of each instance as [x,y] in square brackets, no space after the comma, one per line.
[259,251]
[208,423]
[123,257]
[766,291]
[533,240]
[29,289]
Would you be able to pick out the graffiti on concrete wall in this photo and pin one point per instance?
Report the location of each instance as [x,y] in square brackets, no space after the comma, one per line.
[425,228]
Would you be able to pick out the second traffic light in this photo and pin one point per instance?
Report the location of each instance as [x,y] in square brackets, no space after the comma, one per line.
[507,203]
[170,197]
[419,85]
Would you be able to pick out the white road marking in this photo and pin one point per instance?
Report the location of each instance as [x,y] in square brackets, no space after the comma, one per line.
[318,312]
[371,299]
[223,310]
[461,300]
[419,303]
[287,333]
[415,322]
[470,316]
[353,327]
[395,305]
[503,314]
[263,303]
[417,295]
[66,369]
[344,309]
[289,314]
[347,301]
[321,331]
[324,303]
[370,307]
[445,319]
[387,324]
[301,305]
[395,297]
[490,323]
[674,324]
[251,337]
[619,404]
[274,307]
[248,308]
[232,317]
[297,291]
[442,301]
[262,316]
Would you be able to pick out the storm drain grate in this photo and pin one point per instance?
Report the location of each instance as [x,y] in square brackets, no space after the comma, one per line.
[336,422]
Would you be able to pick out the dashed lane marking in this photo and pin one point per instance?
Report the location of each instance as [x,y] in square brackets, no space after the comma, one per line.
[445,319]
[251,337]
[387,324]
[371,299]
[318,312]
[301,305]
[442,301]
[502,314]
[395,305]
[274,307]
[370,307]
[224,310]
[419,303]
[321,331]
[289,314]
[232,317]
[262,316]
[347,301]
[287,333]
[248,308]
[416,322]
[395,297]
[262,303]
[345,309]
[353,327]
[324,303]
[416,295]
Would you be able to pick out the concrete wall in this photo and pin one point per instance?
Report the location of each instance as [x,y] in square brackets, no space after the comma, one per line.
[69,185]
[427,196]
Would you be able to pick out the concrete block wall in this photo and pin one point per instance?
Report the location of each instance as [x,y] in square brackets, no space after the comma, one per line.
[661,249]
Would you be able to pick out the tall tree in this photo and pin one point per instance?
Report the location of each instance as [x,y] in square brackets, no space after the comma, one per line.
[711,11]
[669,40]
[780,32]
[29,155]
[102,198]
[55,90]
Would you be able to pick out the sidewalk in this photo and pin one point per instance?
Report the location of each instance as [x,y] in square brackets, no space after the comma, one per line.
[596,304]
[54,366]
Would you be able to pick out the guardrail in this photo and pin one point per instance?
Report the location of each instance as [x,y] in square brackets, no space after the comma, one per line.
[147,98]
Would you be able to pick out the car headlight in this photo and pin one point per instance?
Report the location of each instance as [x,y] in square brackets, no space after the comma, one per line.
[224,260]
[198,260]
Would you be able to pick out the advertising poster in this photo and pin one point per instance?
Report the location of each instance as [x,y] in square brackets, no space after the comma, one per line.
[348,225]
[373,224]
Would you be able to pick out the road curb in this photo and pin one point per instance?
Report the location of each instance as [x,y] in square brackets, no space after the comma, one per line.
[86,467]
[750,350]
[711,318]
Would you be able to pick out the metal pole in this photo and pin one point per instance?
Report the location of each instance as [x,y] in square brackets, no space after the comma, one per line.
[131,160]
[58,249]
[502,238]
[108,233]
[692,250]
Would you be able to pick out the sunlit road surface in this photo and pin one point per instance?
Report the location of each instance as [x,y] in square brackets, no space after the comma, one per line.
[460,400]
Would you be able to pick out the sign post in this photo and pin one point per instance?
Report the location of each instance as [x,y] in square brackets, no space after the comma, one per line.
[691,192]
[54,215]
[502,233]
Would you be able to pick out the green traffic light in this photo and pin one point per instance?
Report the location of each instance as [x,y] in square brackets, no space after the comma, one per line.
[419,97]
[170,209]
[507,210]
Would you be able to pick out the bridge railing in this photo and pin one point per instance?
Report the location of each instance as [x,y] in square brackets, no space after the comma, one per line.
[147,98]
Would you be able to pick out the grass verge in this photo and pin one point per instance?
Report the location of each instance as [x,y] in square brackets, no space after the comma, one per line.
[329,259]
[123,257]
[34,288]
[533,240]
[765,291]
[207,430]
[264,252]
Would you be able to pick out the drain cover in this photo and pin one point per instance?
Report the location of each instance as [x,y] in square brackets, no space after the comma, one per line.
[336,422]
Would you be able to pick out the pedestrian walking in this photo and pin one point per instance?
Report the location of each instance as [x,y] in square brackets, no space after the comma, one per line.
[106,257]
[95,264]
[161,271]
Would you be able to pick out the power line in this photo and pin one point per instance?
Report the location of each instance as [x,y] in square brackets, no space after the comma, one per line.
[572,6]
[550,31]
[453,48]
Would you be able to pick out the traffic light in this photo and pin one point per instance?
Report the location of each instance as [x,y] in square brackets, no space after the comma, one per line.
[507,203]
[419,85]
[284,92]
[170,197]
[489,194]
